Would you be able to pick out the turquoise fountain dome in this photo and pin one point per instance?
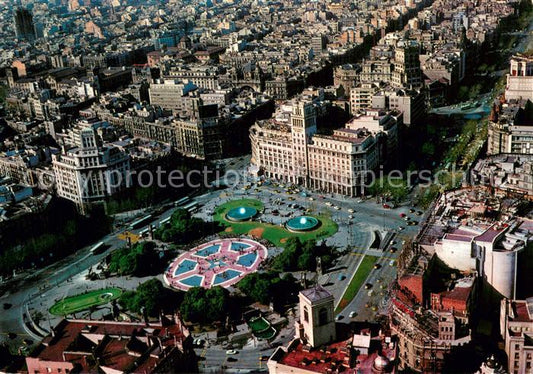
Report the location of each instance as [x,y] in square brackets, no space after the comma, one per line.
[302,223]
[243,213]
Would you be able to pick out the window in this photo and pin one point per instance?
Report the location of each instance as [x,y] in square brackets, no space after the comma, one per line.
[323,316]
[306,314]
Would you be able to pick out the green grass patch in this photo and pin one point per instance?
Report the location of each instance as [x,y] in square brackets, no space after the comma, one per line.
[364,269]
[273,233]
[78,303]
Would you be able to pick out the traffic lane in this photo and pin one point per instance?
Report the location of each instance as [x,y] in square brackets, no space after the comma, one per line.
[244,359]
[385,273]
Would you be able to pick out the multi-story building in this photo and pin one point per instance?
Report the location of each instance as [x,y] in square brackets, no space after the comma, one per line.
[511,174]
[361,96]
[169,94]
[516,327]
[347,76]
[384,126]
[410,103]
[510,130]
[520,78]
[377,71]
[89,171]
[338,162]
[407,71]
[114,347]
[283,88]
[288,148]
[319,348]
[201,76]
[24,27]
[200,138]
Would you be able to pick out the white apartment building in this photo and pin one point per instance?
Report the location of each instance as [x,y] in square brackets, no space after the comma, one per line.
[520,78]
[89,171]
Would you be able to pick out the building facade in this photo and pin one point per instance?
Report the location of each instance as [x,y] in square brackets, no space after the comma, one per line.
[90,171]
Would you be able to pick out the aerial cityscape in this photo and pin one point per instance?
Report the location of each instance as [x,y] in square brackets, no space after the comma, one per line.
[266,186]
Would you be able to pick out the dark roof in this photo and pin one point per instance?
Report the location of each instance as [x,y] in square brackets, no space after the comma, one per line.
[316,293]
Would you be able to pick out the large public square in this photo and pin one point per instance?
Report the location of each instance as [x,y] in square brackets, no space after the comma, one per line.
[351,225]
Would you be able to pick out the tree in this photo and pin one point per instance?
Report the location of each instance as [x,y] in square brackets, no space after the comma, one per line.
[269,287]
[153,296]
[183,228]
[201,305]
[142,259]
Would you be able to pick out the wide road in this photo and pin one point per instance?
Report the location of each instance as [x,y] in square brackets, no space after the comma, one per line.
[43,283]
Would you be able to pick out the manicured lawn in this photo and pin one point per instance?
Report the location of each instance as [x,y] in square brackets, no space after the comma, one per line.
[84,301]
[274,234]
[360,276]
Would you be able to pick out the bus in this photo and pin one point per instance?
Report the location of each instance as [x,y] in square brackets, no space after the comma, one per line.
[97,248]
[191,207]
[182,201]
[163,221]
[141,222]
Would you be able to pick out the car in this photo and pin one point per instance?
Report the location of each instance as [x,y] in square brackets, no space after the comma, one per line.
[231,352]
[377,266]
[329,203]
[336,207]
[351,210]
[339,317]
[311,199]
[198,342]
[386,206]
[419,213]
[11,335]
[7,306]
[353,313]
[391,263]
[412,223]
[403,215]
[264,358]
[350,216]
[400,228]
[232,359]
[368,286]
[393,249]
[406,218]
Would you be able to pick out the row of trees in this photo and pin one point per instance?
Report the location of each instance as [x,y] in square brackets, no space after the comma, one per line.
[44,237]
[298,255]
[270,287]
[142,259]
[200,305]
[153,297]
[182,228]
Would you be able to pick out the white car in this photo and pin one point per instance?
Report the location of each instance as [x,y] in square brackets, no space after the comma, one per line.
[353,313]
[350,210]
[328,203]
[336,207]
[231,352]
[350,216]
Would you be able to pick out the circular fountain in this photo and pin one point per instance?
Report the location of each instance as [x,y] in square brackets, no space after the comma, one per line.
[243,213]
[302,223]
